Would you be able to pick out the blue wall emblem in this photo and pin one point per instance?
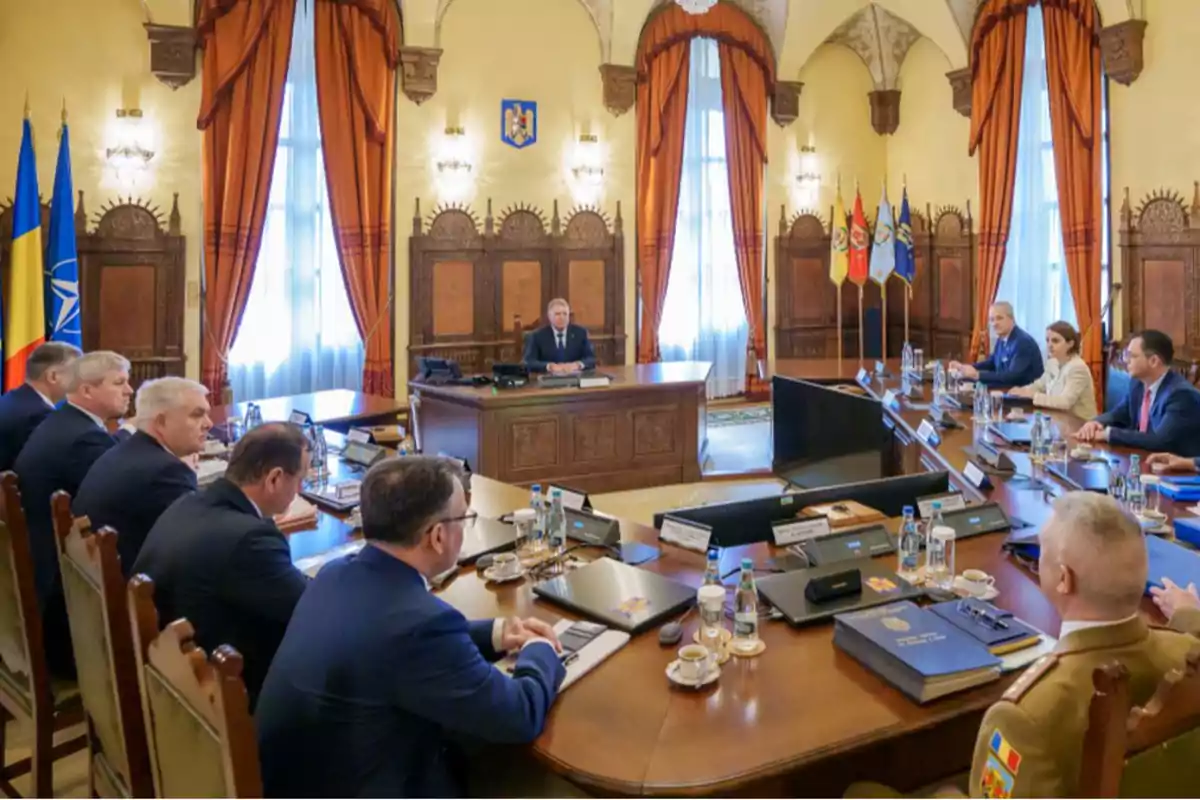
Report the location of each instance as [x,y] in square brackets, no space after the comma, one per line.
[518,122]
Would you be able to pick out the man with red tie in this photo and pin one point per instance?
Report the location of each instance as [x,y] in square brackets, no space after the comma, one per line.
[1161,411]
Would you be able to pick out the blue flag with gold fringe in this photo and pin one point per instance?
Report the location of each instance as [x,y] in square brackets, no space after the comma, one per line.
[63,321]
[906,263]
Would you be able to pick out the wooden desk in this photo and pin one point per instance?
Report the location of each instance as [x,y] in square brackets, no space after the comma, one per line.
[826,370]
[338,409]
[646,429]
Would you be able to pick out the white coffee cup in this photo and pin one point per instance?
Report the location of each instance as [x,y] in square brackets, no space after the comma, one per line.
[976,582]
[695,662]
[506,565]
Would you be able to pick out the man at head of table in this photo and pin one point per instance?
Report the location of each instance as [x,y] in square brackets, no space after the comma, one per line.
[561,346]
[1016,360]
[1161,412]
[378,683]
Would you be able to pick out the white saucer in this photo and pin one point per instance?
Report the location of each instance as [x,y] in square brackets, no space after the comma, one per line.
[991,594]
[674,677]
[490,575]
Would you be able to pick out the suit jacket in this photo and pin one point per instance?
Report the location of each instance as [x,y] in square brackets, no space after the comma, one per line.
[1031,741]
[21,410]
[214,560]
[1174,418]
[541,349]
[374,677]
[1016,361]
[1066,387]
[129,487]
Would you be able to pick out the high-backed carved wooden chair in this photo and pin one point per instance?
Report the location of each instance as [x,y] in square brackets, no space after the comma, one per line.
[1139,751]
[196,710]
[119,764]
[27,692]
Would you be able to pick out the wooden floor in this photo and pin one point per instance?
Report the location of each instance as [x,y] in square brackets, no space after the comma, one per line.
[70,773]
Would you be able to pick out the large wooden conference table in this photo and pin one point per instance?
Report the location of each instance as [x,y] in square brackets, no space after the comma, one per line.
[648,428]
[335,408]
[802,719]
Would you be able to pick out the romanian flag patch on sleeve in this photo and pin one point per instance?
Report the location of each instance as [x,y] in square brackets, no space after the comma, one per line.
[1007,756]
[997,781]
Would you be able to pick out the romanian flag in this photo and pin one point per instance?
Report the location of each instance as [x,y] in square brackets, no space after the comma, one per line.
[62,267]
[906,263]
[858,243]
[839,243]
[1009,758]
[24,317]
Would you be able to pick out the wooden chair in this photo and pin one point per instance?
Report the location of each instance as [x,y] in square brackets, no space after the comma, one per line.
[196,710]
[1148,750]
[27,692]
[97,608]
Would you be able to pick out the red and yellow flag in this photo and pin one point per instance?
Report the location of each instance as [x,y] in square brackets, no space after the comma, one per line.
[24,306]
[860,242]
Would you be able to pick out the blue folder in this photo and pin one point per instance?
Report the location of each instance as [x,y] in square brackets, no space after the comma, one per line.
[1180,491]
[1170,560]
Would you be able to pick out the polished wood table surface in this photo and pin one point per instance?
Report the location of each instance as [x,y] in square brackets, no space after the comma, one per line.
[825,370]
[336,408]
[802,718]
[648,428]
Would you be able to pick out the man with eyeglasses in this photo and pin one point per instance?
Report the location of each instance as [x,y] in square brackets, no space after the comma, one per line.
[1161,412]
[378,682]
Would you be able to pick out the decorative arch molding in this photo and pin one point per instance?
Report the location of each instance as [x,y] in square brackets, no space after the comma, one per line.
[599,12]
[701,27]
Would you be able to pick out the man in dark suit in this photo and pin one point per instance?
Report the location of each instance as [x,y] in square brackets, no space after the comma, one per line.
[131,485]
[23,409]
[217,558]
[58,455]
[1016,360]
[1161,412]
[559,347]
[377,677]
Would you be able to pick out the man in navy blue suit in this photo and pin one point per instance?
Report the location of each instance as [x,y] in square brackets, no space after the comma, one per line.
[1016,360]
[58,455]
[1161,412]
[131,485]
[377,680]
[23,409]
[560,347]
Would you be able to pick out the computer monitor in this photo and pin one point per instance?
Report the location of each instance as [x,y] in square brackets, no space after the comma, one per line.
[824,436]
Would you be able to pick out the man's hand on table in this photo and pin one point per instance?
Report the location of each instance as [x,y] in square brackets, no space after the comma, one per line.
[515,632]
[1091,431]
[1166,462]
[1021,391]
[1171,597]
[964,370]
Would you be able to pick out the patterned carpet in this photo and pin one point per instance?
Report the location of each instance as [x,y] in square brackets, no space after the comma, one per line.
[746,415]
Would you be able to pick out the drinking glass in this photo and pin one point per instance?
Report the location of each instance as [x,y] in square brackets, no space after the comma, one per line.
[711,600]
[1059,450]
[1153,492]
[939,566]
[997,406]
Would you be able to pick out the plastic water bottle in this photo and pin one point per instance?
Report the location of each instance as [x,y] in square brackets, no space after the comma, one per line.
[906,359]
[712,568]
[981,405]
[939,382]
[556,523]
[1037,441]
[909,562]
[1135,498]
[319,452]
[538,503]
[935,521]
[745,608]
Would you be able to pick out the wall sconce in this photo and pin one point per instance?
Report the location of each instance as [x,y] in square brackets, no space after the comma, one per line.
[587,169]
[131,150]
[808,180]
[454,158]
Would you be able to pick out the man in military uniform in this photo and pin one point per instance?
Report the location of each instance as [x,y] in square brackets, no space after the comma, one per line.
[1093,569]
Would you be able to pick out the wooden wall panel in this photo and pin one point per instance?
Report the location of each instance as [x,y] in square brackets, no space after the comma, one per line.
[521,292]
[453,298]
[585,292]
[809,302]
[1165,297]
[127,310]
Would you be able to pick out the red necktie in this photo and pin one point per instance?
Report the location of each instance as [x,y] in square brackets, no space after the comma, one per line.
[1144,422]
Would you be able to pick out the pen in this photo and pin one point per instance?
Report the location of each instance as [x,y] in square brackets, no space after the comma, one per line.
[569,658]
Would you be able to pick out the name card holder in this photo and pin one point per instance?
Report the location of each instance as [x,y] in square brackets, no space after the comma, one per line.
[301,418]
[863,377]
[976,476]
[685,533]
[891,401]
[880,369]
[951,501]
[361,435]
[792,531]
[928,434]
[573,498]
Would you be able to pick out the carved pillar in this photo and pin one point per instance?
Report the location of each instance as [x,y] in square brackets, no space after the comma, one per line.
[960,84]
[620,87]
[885,110]
[1121,48]
[172,53]
[785,102]
[418,72]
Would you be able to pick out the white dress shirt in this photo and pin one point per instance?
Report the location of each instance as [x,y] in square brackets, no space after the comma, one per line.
[45,399]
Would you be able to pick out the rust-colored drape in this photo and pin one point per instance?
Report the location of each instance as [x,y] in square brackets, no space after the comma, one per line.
[356,59]
[1073,80]
[246,45]
[997,69]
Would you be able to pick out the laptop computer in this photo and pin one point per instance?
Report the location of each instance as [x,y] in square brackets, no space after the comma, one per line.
[879,585]
[622,597]
[1091,476]
[1013,432]
[486,536]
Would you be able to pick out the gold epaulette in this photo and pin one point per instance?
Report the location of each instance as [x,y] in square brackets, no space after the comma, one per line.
[1030,676]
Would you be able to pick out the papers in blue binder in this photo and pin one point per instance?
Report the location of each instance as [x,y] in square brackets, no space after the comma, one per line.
[1169,560]
[1184,492]
[1188,529]
[1182,480]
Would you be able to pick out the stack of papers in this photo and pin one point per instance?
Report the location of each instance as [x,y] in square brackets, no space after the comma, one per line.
[300,515]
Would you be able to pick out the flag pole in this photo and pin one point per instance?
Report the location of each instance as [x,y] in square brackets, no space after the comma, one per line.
[839,323]
[907,297]
[861,352]
[883,295]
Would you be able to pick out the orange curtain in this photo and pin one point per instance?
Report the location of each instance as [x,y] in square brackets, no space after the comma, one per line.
[246,45]
[356,59]
[662,64]
[997,69]
[1073,80]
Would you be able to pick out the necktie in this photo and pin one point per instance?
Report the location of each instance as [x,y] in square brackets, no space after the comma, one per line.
[562,345]
[1144,421]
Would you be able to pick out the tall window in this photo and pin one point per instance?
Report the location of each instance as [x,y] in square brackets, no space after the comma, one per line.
[703,316]
[297,334]
[1035,276]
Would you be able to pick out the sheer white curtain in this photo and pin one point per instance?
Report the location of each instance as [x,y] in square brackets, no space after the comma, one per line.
[1035,278]
[703,316]
[297,334]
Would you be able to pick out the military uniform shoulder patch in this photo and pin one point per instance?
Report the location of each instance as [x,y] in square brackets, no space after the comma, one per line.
[997,781]
[1030,676]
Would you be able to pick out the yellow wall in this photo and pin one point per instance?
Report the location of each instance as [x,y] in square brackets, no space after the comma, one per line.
[94,55]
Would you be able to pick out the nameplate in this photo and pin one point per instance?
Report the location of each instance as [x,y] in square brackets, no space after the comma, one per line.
[685,533]
[571,498]
[300,418]
[361,435]
[879,368]
[863,377]
[348,490]
[976,476]
[891,401]
[952,501]
[792,531]
[928,434]
[595,382]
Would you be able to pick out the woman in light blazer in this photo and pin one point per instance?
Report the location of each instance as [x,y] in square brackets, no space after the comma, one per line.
[1067,383]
